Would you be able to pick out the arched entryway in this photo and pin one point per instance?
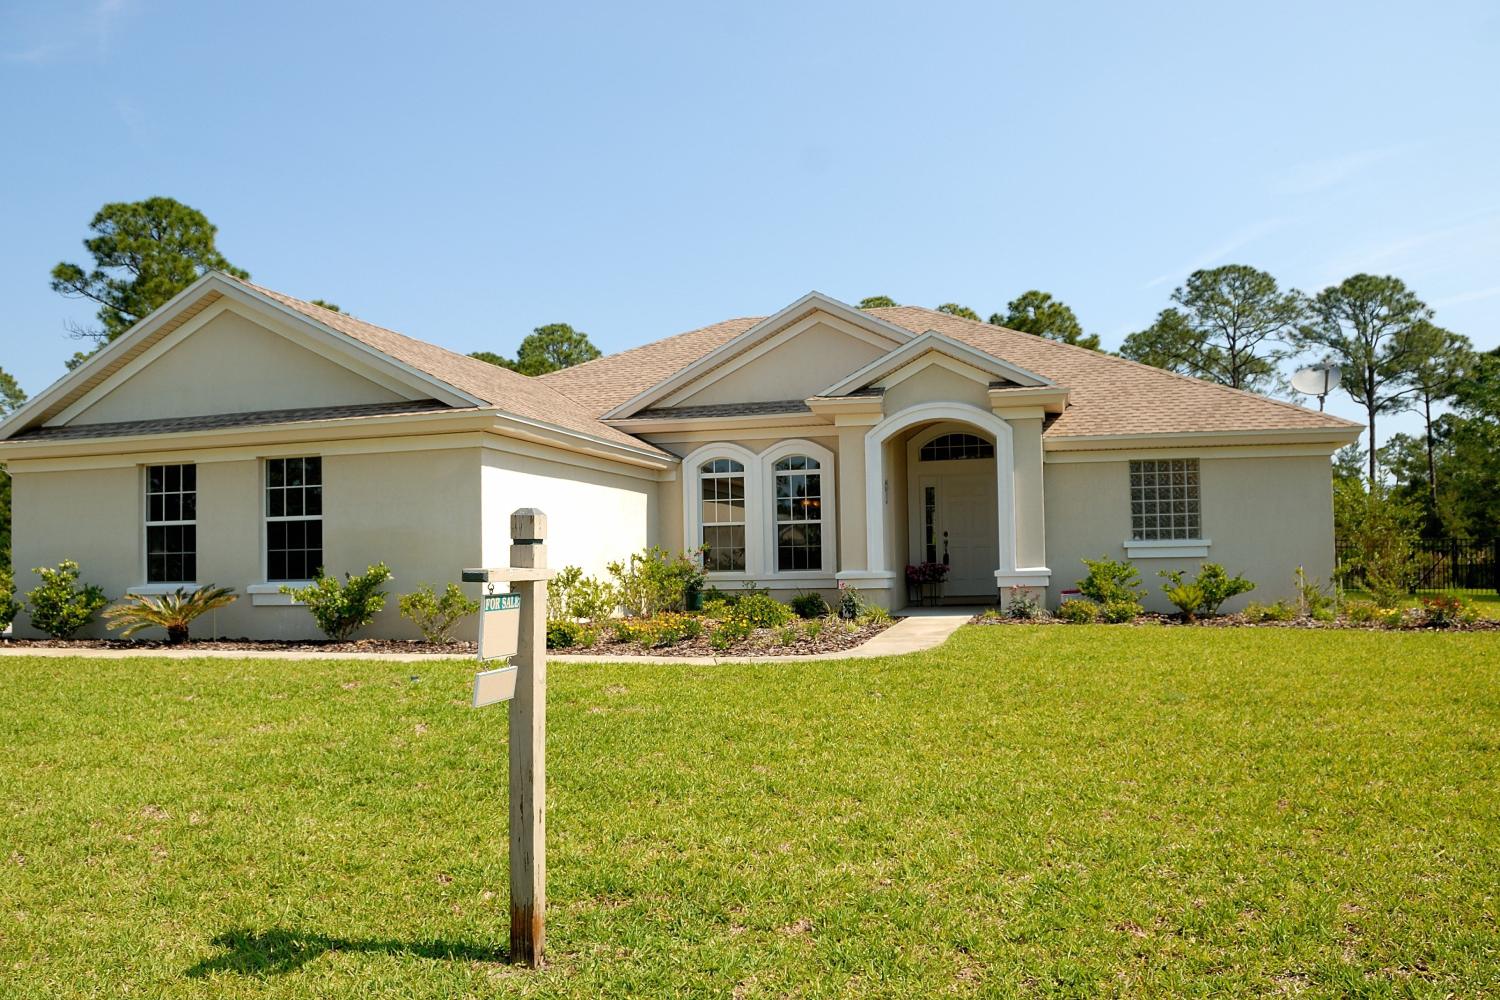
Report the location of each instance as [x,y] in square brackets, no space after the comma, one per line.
[951,507]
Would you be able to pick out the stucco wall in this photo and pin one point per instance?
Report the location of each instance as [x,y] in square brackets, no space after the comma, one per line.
[269,372]
[593,516]
[1264,516]
[803,366]
[418,511]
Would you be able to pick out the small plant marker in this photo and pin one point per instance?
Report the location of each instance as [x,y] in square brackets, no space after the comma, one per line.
[525,687]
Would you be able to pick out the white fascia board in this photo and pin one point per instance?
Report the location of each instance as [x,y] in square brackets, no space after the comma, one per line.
[812,301]
[1193,439]
[941,344]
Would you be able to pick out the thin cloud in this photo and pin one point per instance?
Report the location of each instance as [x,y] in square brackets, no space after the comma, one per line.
[1473,296]
[94,25]
[1316,176]
[1238,241]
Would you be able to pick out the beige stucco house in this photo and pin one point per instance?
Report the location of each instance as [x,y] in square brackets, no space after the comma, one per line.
[246,438]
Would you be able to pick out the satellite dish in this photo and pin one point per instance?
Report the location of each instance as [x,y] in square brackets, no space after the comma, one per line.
[1318,380]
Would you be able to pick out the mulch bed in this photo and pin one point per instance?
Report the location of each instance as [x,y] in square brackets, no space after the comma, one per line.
[1239,621]
[762,642]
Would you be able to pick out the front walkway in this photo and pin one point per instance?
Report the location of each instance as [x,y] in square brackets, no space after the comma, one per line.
[924,629]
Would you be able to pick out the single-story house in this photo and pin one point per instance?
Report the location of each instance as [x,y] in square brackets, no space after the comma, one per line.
[243,437]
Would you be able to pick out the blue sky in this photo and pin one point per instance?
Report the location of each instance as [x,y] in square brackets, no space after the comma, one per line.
[465,172]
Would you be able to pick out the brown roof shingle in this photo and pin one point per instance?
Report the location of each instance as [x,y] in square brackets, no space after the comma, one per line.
[1109,395]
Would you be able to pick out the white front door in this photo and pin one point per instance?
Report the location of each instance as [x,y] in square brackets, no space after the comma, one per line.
[961,510]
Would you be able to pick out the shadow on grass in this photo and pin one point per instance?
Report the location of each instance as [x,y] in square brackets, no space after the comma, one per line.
[278,951]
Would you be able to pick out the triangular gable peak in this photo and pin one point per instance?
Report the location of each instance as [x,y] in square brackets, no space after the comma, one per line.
[930,349]
[814,314]
[366,374]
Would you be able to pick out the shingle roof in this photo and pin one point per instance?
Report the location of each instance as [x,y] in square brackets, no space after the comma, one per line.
[724,410]
[530,398]
[1109,395]
[225,421]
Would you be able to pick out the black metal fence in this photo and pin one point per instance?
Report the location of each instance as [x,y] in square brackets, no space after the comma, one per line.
[1441,564]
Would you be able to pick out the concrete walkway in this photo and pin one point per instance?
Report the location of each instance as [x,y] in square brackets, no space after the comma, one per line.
[924,629]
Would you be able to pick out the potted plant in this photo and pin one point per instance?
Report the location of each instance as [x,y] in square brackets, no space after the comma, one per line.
[924,582]
[693,580]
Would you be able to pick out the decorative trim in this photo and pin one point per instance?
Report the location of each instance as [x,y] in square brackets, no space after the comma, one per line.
[1167,548]
[692,508]
[270,595]
[158,589]
[828,487]
[936,343]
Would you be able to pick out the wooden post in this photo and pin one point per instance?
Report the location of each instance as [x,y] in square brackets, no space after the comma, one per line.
[528,746]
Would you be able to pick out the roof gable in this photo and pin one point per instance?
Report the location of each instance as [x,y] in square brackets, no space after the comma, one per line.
[929,348]
[763,335]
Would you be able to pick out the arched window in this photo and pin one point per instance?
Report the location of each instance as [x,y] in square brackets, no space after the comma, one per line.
[799,513]
[722,507]
[952,447]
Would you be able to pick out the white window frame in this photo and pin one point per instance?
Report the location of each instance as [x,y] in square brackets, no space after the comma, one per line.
[827,486]
[164,586]
[692,506]
[272,588]
[1195,547]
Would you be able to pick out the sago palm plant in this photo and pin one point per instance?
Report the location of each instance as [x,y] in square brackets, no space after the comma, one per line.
[174,612]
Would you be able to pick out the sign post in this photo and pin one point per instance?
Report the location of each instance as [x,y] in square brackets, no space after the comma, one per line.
[525,687]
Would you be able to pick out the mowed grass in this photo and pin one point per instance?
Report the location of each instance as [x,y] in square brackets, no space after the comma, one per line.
[1080,811]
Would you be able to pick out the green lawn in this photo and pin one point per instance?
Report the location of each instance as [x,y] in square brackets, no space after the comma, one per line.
[1078,811]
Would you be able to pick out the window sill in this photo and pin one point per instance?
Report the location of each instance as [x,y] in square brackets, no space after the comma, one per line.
[1167,548]
[270,595]
[158,589]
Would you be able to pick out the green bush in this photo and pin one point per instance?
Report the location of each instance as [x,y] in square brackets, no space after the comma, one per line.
[1325,615]
[9,607]
[1447,610]
[762,611]
[728,632]
[787,635]
[665,629]
[1025,606]
[341,609]
[572,595]
[1218,586]
[654,581]
[433,615]
[1078,612]
[1188,597]
[1379,530]
[1281,611]
[1362,612]
[873,614]
[813,627]
[564,634]
[1111,582]
[59,605]
[1120,612]
[809,604]
[1312,599]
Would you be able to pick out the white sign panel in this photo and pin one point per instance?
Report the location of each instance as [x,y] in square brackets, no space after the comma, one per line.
[491,686]
[499,626]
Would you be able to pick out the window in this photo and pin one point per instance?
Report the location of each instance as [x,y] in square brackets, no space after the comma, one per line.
[799,513]
[929,523]
[294,518]
[950,447]
[722,495]
[1164,499]
[171,523]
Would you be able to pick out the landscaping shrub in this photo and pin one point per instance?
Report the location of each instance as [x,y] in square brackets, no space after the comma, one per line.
[1324,615]
[728,632]
[813,627]
[654,581]
[1393,617]
[8,604]
[563,634]
[1188,597]
[1380,531]
[1447,610]
[435,616]
[762,611]
[1110,581]
[787,635]
[174,612]
[873,614]
[718,608]
[59,605]
[852,604]
[341,609]
[572,595]
[1218,586]
[1120,612]
[1361,612]
[1312,599]
[1281,611]
[672,628]
[1024,606]
[809,604]
[1078,612]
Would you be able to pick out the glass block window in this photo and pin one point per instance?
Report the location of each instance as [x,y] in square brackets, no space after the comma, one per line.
[294,518]
[722,499]
[171,523]
[1165,500]
[799,513]
[951,447]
